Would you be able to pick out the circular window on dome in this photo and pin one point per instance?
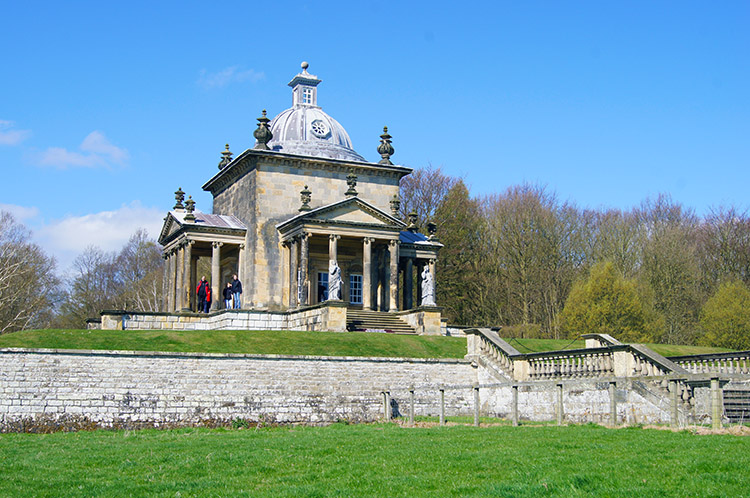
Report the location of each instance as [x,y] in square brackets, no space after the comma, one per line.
[319,128]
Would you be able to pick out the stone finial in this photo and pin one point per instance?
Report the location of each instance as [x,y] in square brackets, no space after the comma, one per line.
[432,231]
[304,66]
[351,180]
[413,222]
[263,133]
[305,195]
[385,149]
[226,157]
[179,196]
[190,207]
[395,205]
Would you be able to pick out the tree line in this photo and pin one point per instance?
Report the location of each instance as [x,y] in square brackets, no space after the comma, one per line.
[522,259]
[542,267]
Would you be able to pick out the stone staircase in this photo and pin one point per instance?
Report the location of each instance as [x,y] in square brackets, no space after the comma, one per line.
[364,320]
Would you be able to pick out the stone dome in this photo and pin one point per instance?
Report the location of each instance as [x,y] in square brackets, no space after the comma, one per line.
[306,129]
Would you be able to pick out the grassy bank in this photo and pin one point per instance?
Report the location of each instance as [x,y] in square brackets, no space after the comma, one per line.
[287,342]
[375,460]
[243,341]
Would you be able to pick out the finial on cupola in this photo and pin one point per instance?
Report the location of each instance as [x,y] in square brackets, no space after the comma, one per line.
[263,133]
[226,157]
[190,207]
[385,149]
[179,196]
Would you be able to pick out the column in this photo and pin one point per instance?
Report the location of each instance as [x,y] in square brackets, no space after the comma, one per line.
[169,276]
[179,284]
[409,284]
[285,284]
[216,275]
[186,283]
[367,273]
[433,264]
[241,255]
[293,269]
[420,267]
[303,264]
[393,287]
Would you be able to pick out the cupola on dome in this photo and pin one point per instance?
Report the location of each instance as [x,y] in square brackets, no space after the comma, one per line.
[305,129]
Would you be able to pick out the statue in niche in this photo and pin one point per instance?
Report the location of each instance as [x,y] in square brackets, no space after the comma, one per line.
[334,282]
[428,287]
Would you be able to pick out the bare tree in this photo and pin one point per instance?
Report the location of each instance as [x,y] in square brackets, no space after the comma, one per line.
[423,192]
[28,283]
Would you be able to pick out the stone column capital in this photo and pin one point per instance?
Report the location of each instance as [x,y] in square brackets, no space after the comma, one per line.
[394,242]
[216,245]
[333,236]
[241,246]
[368,240]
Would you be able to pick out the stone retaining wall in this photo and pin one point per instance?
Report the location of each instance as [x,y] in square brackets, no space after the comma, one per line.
[136,389]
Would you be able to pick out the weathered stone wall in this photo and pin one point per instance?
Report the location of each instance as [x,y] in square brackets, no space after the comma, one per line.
[127,388]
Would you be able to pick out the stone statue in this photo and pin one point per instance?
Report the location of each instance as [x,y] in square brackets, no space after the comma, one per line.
[428,287]
[334,282]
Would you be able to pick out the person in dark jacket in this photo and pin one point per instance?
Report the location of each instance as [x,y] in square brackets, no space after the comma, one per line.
[228,296]
[236,292]
[204,295]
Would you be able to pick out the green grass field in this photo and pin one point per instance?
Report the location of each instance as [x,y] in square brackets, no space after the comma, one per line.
[375,460]
[286,342]
[243,341]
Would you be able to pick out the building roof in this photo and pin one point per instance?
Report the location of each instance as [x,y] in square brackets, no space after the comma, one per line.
[305,129]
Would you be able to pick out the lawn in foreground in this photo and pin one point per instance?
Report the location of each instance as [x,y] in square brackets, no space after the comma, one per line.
[375,460]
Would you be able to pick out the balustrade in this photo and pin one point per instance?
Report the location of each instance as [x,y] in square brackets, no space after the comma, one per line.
[737,363]
[571,365]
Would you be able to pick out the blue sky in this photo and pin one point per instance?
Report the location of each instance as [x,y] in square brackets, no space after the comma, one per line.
[107,107]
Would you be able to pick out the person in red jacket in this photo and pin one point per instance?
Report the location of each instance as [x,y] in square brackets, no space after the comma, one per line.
[204,295]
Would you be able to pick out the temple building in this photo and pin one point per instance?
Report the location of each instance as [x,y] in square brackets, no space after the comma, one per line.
[303,220]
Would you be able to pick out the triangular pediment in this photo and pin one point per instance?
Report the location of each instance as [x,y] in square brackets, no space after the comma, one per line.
[170,226]
[352,211]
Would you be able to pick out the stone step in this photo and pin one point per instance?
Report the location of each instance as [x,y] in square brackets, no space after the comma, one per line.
[357,319]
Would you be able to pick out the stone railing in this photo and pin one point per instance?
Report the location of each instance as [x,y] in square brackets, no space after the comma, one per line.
[571,364]
[736,363]
[489,345]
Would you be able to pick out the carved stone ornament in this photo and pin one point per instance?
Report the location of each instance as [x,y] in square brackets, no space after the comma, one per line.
[179,196]
[305,196]
[226,158]
[351,180]
[412,222]
[432,230]
[385,149]
[263,133]
[190,207]
[395,205]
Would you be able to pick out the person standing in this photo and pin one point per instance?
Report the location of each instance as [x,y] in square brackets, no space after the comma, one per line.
[236,292]
[204,292]
[228,296]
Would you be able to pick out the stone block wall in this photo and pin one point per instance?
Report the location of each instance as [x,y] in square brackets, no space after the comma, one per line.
[323,317]
[131,389]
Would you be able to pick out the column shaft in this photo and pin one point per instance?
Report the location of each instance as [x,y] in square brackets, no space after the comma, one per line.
[409,284]
[179,283]
[186,283]
[293,272]
[393,287]
[367,273]
[216,275]
[303,264]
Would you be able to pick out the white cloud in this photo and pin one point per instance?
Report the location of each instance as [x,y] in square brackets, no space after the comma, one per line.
[110,230]
[96,151]
[11,136]
[232,74]
[21,213]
